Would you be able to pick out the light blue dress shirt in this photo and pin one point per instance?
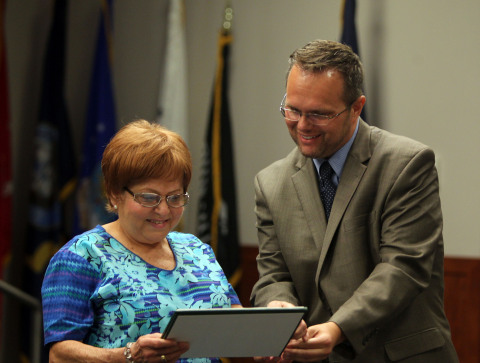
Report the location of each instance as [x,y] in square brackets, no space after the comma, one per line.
[337,160]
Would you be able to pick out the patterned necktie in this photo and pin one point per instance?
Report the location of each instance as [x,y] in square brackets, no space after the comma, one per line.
[327,187]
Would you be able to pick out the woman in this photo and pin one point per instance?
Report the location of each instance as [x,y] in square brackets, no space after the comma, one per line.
[109,292]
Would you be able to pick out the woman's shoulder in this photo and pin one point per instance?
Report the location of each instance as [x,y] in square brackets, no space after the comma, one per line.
[86,243]
[85,254]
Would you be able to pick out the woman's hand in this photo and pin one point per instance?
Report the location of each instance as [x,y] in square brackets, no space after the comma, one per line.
[152,348]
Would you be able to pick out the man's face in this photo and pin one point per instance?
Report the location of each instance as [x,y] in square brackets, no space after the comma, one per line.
[320,93]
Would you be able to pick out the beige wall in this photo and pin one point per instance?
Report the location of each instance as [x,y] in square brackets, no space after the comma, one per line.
[421,58]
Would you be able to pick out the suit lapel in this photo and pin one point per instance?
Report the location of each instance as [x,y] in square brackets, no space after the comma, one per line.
[306,186]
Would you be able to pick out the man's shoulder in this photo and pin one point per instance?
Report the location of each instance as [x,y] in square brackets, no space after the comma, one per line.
[389,139]
[387,151]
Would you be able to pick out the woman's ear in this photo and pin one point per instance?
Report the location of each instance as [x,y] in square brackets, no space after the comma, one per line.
[113,201]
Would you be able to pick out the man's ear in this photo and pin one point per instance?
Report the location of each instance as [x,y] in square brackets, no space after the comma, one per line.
[357,106]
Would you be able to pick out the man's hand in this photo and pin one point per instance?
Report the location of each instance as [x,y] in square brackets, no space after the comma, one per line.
[300,332]
[280,304]
[316,345]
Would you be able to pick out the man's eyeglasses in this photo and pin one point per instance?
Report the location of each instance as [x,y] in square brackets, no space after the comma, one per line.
[312,117]
[151,200]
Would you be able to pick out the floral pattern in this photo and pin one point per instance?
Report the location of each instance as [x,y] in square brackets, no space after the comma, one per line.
[132,298]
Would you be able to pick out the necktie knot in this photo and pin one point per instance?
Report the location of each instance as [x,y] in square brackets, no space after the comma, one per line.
[327,187]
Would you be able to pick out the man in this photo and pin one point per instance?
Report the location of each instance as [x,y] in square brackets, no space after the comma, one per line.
[371,269]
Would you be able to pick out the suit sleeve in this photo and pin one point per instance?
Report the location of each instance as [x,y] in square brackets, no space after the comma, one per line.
[410,252]
[275,282]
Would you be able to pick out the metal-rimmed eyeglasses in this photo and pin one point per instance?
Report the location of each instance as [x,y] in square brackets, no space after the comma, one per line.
[312,117]
[151,200]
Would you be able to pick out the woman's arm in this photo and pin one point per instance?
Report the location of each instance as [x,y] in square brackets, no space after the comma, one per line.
[149,348]
[74,351]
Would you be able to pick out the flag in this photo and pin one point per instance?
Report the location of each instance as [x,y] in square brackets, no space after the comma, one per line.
[217,219]
[54,168]
[349,32]
[172,100]
[5,160]
[100,127]
[54,165]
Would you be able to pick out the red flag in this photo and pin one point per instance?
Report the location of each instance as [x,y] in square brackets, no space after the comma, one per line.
[5,158]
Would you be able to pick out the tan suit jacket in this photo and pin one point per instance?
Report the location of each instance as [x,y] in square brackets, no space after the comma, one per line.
[376,268]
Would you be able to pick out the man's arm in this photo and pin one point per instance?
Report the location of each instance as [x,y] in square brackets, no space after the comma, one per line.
[410,252]
[275,282]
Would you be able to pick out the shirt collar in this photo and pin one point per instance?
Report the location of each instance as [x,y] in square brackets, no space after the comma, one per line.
[337,160]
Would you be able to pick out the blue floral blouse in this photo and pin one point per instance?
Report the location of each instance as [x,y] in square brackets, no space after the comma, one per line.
[97,291]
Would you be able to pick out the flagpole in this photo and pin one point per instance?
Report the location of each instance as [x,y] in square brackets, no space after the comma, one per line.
[217,221]
[342,14]
[228,18]
[224,40]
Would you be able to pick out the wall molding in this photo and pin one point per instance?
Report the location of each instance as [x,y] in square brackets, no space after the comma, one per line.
[462,300]
[462,305]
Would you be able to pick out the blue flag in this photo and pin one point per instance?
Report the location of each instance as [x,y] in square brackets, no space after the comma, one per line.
[349,32]
[99,129]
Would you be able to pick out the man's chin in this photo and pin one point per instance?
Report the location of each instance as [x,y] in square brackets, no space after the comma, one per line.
[308,152]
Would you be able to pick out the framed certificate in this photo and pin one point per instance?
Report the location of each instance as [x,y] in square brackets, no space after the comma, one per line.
[230,332]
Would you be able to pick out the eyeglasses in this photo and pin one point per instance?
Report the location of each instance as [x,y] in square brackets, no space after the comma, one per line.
[312,117]
[151,200]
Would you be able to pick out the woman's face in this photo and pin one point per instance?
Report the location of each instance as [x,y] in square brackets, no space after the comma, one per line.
[148,225]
